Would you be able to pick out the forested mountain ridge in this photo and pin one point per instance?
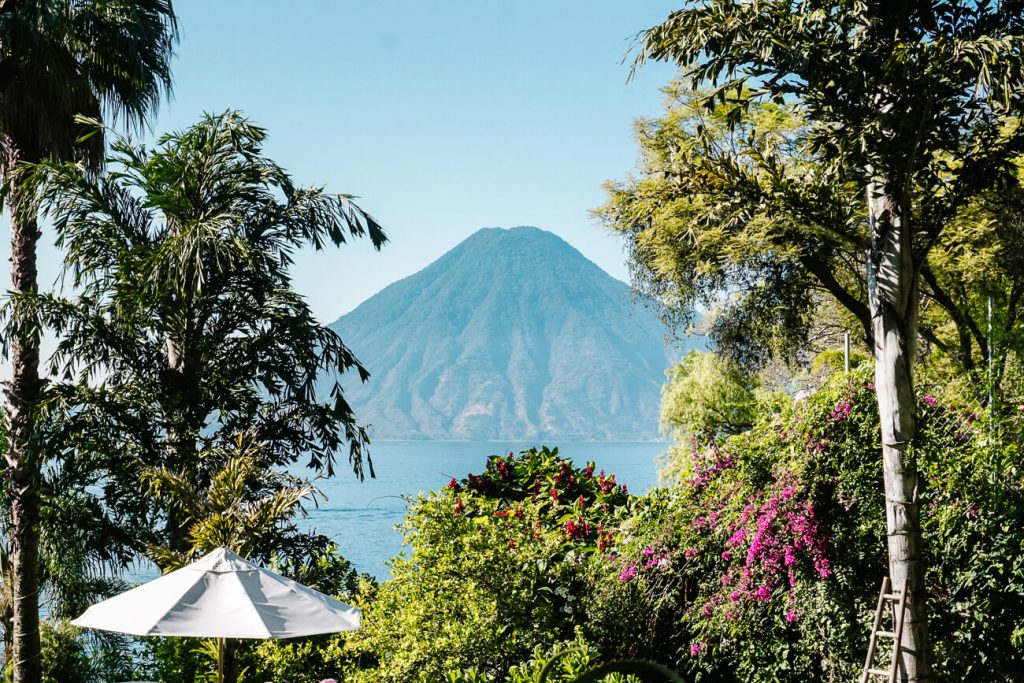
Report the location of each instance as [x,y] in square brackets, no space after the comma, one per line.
[513,334]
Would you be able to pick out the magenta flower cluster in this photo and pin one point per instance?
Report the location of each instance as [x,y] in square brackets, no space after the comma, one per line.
[842,411]
[708,463]
[771,541]
[651,558]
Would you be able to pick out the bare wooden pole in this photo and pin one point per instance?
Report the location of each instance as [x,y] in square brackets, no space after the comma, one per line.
[846,351]
[221,660]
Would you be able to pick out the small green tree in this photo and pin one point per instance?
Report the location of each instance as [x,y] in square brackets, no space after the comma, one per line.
[244,506]
[707,391]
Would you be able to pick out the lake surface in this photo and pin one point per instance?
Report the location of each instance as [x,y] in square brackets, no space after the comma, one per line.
[361,516]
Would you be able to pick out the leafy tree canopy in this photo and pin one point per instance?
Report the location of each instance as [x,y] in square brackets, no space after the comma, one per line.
[184,330]
[725,214]
[707,391]
[914,104]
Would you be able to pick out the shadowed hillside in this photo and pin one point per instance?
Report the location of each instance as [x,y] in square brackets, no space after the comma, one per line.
[513,334]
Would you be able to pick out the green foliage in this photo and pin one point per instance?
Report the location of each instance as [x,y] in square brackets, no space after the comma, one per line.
[61,59]
[761,563]
[699,220]
[574,662]
[298,660]
[251,510]
[177,660]
[753,181]
[910,113]
[82,548]
[311,660]
[110,57]
[496,567]
[70,655]
[212,341]
[307,660]
[612,672]
[771,544]
[245,506]
[707,391]
[66,657]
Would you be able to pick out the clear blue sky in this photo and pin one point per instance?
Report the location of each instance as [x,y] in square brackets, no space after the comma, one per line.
[444,116]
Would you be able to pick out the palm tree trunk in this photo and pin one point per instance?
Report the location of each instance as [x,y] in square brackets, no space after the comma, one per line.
[180,448]
[894,301]
[23,392]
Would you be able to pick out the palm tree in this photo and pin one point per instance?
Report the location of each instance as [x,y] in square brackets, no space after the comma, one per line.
[59,59]
[186,329]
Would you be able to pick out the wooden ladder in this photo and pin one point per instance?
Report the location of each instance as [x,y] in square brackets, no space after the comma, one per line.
[899,602]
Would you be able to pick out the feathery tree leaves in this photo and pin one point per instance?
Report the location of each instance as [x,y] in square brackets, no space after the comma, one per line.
[185,330]
[704,218]
[707,391]
[711,213]
[245,506]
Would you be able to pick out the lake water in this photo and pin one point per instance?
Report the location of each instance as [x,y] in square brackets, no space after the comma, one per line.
[361,516]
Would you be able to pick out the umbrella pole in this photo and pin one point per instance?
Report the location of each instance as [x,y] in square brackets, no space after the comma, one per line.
[221,652]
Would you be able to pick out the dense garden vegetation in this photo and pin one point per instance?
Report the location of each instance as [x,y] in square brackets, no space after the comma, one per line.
[799,141]
[759,561]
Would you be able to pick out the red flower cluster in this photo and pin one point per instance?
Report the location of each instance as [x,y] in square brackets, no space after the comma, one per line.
[569,499]
[577,529]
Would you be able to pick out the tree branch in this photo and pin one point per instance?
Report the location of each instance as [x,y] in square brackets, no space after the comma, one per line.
[851,303]
[961,318]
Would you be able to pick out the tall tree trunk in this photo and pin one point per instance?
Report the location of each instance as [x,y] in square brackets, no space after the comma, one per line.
[23,392]
[894,301]
[181,444]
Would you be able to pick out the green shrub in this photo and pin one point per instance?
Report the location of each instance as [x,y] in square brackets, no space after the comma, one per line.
[496,566]
[65,658]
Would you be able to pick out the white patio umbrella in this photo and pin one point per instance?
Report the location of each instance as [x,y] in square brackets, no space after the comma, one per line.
[221,596]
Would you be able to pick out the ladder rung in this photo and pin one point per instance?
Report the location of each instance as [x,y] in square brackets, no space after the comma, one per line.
[878,672]
[891,596]
[885,634]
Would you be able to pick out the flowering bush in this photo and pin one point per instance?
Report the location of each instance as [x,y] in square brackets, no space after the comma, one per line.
[583,501]
[770,546]
[495,566]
